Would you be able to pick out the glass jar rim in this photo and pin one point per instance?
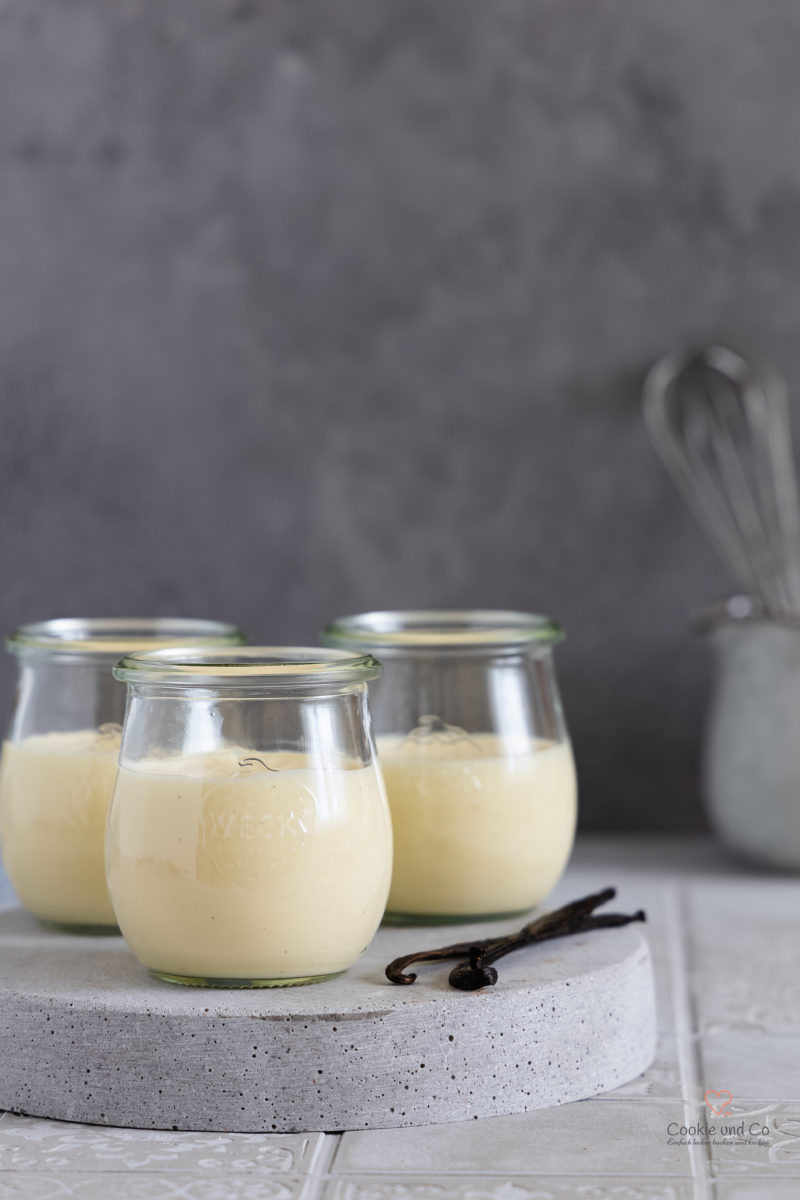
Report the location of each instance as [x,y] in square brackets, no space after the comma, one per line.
[480,629]
[269,666]
[109,637]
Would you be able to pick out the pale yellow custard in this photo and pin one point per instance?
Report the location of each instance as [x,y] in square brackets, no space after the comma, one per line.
[55,790]
[241,866]
[482,825]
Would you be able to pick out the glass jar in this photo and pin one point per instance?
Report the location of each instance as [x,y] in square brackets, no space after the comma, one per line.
[60,758]
[249,841]
[751,753]
[476,758]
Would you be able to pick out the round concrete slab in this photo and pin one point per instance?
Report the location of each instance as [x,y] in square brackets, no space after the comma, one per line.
[87,1035]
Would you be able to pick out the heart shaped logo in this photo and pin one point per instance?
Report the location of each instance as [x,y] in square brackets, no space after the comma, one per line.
[718,1101]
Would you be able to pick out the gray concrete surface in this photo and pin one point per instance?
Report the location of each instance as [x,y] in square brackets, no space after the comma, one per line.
[309,308]
[562,1023]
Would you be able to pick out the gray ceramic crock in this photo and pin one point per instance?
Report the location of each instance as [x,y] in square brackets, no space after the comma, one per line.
[752,741]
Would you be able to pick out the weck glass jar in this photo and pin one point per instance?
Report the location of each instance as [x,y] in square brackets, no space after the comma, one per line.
[249,841]
[476,758]
[60,758]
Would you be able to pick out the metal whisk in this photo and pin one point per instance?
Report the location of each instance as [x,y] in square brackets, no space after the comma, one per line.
[721,428]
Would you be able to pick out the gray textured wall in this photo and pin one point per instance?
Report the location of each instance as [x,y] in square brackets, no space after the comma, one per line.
[313,307]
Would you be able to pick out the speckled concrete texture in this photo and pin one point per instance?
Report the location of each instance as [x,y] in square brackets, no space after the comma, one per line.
[311,308]
[87,1035]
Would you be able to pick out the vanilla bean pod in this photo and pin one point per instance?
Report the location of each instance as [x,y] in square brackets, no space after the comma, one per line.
[476,970]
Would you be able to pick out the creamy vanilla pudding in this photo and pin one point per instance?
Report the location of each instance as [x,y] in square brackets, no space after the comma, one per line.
[475,754]
[239,866]
[60,759]
[482,824]
[55,790]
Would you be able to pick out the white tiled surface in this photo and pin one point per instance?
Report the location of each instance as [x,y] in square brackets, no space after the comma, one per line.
[506,1187]
[726,948]
[33,1144]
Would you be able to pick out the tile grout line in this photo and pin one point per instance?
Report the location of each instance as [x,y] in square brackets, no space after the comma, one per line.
[694,1022]
[321,1164]
[674,913]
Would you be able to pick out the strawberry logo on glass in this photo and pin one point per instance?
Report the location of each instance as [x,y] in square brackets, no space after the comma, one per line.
[718,1101]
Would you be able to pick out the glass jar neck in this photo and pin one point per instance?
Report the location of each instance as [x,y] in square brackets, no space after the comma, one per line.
[243,690]
[103,640]
[267,671]
[446,634]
